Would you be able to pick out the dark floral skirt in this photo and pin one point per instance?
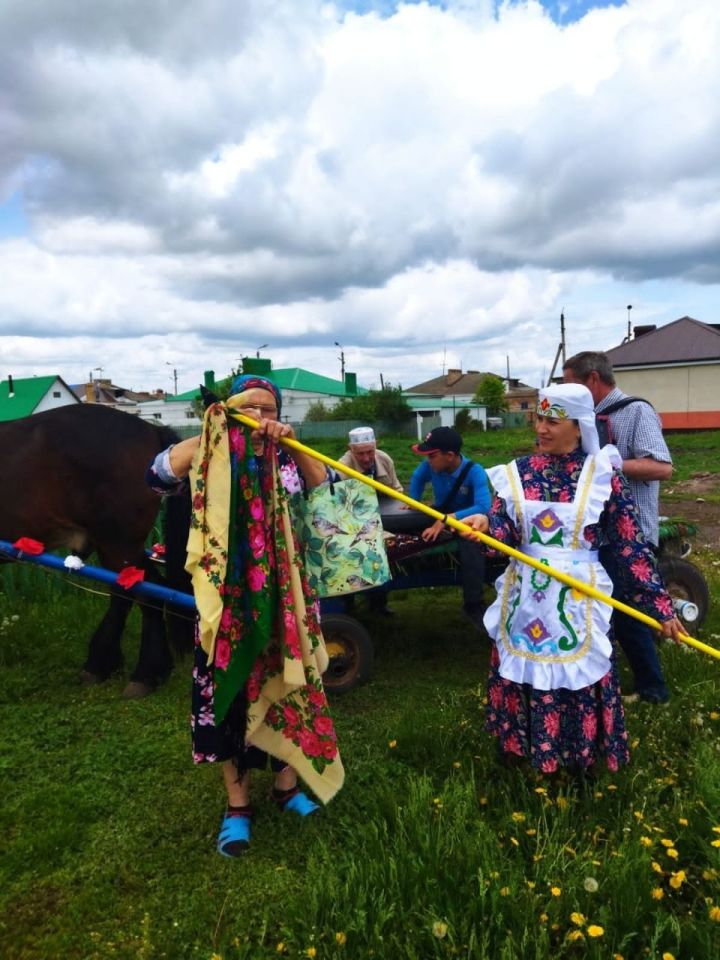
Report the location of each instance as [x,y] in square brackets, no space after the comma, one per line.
[215,743]
[558,728]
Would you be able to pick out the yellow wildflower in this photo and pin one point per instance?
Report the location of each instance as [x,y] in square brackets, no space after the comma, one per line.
[668,956]
[439,929]
[531,832]
[518,817]
[483,801]
[504,891]
[657,893]
[666,843]
[531,884]
[341,938]
[578,919]
[709,874]
[543,918]
[714,914]
[715,843]
[555,891]
[514,841]
[678,879]
[656,867]
[392,744]
[646,841]
[672,853]
[541,790]
[618,956]
[635,743]
[457,764]
[575,935]
[638,815]
[280,947]
[682,821]
[714,715]
[591,884]
[595,931]
[716,829]
[611,786]
[562,803]
[311,952]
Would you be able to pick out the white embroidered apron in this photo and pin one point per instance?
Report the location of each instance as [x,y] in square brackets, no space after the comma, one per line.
[546,633]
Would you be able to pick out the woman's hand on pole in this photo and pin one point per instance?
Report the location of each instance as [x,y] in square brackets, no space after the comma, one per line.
[674,629]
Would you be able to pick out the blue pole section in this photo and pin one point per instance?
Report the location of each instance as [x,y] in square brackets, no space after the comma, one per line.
[139,590]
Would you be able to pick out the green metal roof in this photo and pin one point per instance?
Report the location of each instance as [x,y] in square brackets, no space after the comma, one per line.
[437,403]
[28,391]
[288,378]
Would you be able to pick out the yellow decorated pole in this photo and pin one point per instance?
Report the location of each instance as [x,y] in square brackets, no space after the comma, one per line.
[461,527]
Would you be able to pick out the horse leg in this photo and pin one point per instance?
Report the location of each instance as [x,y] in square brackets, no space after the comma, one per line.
[154,659]
[105,653]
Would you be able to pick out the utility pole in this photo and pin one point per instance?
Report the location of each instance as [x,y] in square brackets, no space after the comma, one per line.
[341,358]
[629,333]
[560,349]
[168,364]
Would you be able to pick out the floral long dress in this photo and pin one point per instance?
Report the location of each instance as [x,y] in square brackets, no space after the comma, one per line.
[573,728]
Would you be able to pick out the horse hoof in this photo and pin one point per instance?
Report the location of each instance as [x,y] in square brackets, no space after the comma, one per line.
[136,690]
[88,679]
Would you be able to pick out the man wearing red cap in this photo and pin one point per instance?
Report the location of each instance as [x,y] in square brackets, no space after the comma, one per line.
[460,488]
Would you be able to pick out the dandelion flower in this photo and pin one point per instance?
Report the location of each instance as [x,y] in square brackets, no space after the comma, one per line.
[562,803]
[595,931]
[656,867]
[518,817]
[714,914]
[341,938]
[716,829]
[311,952]
[543,918]
[531,832]
[714,715]
[439,929]
[514,841]
[531,884]
[682,821]
[591,884]
[541,790]
[668,956]
[667,843]
[392,744]
[280,947]
[715,843]
[646,841]
[678,879]
[483,801]
[504,891]
[555,891]
[672,853]
[575,935]
[618,956]
[578,919]
[657,893]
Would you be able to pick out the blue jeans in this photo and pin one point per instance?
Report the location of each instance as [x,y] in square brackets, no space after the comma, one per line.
[637,641]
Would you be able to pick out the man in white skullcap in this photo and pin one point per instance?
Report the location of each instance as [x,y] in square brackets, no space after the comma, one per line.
[363,456]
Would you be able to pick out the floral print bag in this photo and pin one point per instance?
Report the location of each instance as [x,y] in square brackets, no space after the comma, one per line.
[340,528]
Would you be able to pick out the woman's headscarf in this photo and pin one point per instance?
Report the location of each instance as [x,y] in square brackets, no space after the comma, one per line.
[571,401]
[251,381]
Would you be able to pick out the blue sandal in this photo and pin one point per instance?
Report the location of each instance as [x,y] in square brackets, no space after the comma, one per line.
[234,837]
[301,803]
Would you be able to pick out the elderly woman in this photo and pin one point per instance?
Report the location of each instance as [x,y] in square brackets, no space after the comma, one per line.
[257,687]
[553,692]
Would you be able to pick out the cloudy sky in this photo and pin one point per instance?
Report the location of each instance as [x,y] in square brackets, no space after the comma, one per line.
[428,184]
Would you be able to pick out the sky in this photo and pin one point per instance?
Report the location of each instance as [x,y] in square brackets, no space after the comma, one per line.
[408,187]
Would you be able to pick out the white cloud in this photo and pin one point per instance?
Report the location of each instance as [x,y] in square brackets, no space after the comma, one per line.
[442,179]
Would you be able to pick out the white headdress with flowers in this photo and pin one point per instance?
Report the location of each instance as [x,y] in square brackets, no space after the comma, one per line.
[571,401]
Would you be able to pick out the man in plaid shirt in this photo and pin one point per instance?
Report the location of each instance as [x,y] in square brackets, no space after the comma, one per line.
[636,431]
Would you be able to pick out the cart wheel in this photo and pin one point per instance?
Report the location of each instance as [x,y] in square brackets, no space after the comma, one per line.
[688,589]
[350,649]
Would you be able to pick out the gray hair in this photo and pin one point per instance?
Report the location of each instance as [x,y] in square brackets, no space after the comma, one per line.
[583,364]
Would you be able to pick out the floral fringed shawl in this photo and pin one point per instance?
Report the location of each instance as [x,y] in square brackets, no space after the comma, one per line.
[257,617]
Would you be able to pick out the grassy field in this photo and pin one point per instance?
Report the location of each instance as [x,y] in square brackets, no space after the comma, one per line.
[432,849]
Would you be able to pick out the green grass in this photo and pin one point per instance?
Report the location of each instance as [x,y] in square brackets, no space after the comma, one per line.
[431,849]
[108,830]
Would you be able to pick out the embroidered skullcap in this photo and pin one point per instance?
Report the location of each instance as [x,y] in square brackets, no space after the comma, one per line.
[571,401]
[251,381]
[362,435]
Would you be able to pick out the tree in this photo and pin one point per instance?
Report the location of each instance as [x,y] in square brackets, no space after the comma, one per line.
[387,404]
[317,412]
[491,394]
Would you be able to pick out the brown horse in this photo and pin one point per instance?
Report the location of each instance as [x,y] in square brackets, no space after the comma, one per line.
[74,478]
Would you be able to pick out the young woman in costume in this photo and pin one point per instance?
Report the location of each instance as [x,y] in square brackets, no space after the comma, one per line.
[553,691]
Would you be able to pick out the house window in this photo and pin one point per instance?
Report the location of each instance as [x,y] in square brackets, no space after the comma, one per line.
[157,416]
[189,415]
[57,394]
[524,405]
